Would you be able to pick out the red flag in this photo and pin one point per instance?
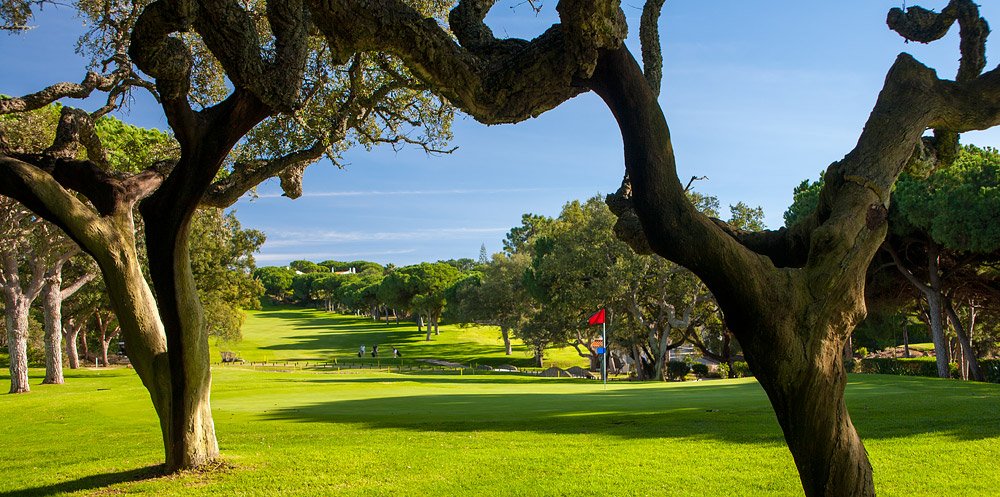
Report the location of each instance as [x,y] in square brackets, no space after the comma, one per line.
[597,318]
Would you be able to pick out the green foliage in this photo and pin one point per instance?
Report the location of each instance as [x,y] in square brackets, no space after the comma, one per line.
[277,281]
[741,370]
[991,369]
[862,351]
[805,198]
[222,263]
[131,148]
[307,267]
[723,370]
[746,218]
[916,366]
[464,264]
[31,132]
[956,206]
[305,288]
[699,369]
[520,238]
[677,370]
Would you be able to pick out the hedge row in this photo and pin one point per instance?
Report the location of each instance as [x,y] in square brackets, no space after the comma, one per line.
[924,366]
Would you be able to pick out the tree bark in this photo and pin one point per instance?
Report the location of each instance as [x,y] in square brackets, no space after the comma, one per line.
[206,138]
[16,321]
[505,334]
[70,333]
[971,361]
[52,308]
[53,296]
[796,353]
[935,305]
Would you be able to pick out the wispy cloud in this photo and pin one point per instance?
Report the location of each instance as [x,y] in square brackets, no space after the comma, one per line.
[295,238]
[319,256]
[455,191]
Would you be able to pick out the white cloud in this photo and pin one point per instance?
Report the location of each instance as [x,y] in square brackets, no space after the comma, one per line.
[297,238]
[319,256]
[456,191]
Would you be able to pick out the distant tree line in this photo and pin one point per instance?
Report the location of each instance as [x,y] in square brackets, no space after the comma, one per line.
[551,276]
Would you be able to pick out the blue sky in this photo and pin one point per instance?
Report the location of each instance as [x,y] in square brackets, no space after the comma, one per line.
[759,96]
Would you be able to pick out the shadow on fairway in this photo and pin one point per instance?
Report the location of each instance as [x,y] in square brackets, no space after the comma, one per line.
[691,411]
[90,482]
[881,408]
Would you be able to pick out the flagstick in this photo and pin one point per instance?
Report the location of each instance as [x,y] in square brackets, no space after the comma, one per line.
[604,356]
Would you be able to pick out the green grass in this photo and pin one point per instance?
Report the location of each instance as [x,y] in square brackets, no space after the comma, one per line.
[415,434]
[286,333]
[923,347]
[390,434]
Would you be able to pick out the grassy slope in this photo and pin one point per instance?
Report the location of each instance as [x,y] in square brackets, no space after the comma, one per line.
[281,333]
[310,433]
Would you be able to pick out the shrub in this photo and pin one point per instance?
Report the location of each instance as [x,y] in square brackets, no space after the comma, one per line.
[916,366]
[741,370]
[862,351]
[699,369]
[723,370]
[850,365]
[677,370]
[991,369]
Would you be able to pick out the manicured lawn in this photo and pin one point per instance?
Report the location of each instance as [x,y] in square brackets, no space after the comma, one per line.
[288,333]
[923,347]
[310,433]
[319,432]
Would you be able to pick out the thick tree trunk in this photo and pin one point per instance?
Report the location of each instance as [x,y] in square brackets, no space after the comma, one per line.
[52,308]
[104,353]
[791,310]
[16,321]
[809,403]
[661,345]
[935,307]
[429,329]
[505,334]
[420,322]
[206,138]
[70,333]
[83,343]
[640,369]
[434,320]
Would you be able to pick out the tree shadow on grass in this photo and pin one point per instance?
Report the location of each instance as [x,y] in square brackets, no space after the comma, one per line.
[881,408]
[90,482]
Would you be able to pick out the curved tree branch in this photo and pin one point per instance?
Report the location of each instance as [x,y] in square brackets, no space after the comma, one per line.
[42,98]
